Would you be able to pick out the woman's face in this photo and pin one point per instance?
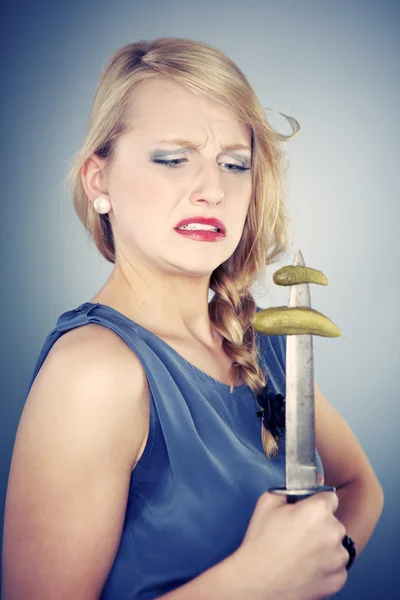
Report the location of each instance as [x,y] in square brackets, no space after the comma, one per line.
[156,180]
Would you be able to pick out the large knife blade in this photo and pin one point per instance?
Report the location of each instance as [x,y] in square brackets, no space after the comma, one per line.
[300,461]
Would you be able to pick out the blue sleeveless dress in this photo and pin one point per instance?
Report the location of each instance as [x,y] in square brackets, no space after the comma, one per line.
[194,489]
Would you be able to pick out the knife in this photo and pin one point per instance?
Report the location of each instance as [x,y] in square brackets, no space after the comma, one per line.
[300,461]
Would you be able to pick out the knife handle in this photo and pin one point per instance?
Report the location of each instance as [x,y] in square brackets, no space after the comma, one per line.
[293,496]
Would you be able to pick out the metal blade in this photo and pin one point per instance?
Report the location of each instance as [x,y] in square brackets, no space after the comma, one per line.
[301,466]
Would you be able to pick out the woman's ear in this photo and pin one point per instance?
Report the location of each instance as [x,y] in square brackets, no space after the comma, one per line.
[93,177]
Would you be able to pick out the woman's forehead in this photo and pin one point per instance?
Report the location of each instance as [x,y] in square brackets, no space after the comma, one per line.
[171,111]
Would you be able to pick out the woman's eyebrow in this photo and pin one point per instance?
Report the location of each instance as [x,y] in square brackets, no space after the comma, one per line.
[196,146]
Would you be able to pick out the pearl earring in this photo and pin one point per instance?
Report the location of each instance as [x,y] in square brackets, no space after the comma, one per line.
[101,205]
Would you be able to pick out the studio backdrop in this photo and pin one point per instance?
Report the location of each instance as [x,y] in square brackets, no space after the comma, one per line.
[334,66]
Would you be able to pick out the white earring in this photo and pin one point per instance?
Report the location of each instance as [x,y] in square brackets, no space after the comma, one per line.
[101,205]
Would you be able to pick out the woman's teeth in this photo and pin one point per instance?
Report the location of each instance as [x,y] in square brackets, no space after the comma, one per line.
[199,227]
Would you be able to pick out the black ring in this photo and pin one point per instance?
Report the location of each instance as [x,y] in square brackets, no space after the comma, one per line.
[351,549]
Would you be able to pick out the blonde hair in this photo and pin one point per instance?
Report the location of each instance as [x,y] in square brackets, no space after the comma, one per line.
[206,71]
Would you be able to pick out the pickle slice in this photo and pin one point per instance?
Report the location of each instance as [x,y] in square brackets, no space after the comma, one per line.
[292,274]
[284,320]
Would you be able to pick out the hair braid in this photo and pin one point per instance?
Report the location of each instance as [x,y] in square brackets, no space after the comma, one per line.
[231,311]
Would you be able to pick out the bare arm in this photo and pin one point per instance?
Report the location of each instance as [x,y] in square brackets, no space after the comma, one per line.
[348,469]
[83,424]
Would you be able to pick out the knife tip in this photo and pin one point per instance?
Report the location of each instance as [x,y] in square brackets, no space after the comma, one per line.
[298,259]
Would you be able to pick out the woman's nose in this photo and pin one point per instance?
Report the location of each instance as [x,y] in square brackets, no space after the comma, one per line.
[208,186]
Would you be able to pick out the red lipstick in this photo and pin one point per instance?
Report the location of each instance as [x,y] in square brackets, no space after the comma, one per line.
[204,221]
[202,235]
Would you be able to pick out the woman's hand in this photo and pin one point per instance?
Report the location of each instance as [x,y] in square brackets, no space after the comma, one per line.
[292,551]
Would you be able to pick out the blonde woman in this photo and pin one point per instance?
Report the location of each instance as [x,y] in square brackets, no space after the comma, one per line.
[139,470]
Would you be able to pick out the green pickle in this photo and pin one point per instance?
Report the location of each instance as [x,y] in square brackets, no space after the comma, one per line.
[284,320]
[292,275]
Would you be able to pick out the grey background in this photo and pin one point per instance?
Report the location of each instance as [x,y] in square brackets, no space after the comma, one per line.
[332,65]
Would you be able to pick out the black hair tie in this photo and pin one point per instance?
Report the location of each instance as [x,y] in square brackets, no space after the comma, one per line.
[272,411]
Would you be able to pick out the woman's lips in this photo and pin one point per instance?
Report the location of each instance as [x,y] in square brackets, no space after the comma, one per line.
[202,235]
[201,220]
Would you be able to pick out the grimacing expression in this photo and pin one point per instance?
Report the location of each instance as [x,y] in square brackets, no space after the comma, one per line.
[185,156]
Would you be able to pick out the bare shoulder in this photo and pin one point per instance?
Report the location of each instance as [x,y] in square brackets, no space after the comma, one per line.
[96,357]
[92,371]
[78,438]
[95,346]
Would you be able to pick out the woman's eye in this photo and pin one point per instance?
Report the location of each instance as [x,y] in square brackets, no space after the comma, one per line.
[172,163]
[235,168]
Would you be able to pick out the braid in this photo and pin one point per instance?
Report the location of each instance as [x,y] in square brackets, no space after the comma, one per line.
[231,311]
